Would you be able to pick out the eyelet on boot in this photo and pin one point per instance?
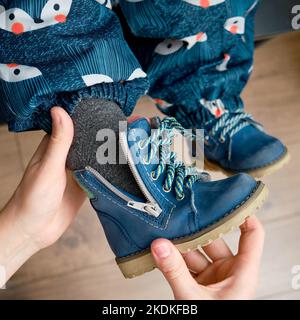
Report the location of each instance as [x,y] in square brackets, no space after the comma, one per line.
[166,190]
[146,161]
[153,177]
[180,199]
[207,140]
[222,140]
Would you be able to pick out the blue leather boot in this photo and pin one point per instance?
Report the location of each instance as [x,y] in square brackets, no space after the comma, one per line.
[179,203]
[234,142]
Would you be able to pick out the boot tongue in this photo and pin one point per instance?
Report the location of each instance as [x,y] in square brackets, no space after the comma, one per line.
[144,123]
[139,123]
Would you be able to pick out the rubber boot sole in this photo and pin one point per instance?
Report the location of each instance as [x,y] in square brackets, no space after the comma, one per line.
[257,173]
[140,263]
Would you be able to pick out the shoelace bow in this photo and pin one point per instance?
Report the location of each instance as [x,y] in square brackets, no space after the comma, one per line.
[160,141]
[228,125]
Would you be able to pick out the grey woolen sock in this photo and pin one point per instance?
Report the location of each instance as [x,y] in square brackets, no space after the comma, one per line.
[90,116]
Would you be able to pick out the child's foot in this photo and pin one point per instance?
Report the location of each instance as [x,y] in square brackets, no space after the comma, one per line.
[179,203]
[234,142]
[96,124]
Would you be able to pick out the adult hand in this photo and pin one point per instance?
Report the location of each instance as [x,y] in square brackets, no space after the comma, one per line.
[45,202]
[217,274]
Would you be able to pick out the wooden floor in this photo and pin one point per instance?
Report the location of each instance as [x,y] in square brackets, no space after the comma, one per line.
[81,265]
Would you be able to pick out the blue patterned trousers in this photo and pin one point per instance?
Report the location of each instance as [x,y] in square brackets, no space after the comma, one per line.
[186,54]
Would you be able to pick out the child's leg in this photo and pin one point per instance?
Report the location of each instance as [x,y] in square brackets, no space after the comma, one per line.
[64,53]
[184,57]
[198,56]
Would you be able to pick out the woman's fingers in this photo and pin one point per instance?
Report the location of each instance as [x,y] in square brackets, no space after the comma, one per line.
[196,261]
[251,240]
[171,263]
[247,262]
[74,197]
[218,250]
[59,141]
[40,151]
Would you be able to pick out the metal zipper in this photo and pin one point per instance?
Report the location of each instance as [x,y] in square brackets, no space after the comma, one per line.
[141,206]
[152,206]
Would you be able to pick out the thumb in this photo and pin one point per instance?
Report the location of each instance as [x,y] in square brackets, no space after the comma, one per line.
[60,140]
[171,263]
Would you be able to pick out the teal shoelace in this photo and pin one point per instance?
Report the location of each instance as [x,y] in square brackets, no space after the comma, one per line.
[228,125]
[160,141]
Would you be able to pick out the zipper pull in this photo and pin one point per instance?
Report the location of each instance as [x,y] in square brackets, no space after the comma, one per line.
[151,209]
